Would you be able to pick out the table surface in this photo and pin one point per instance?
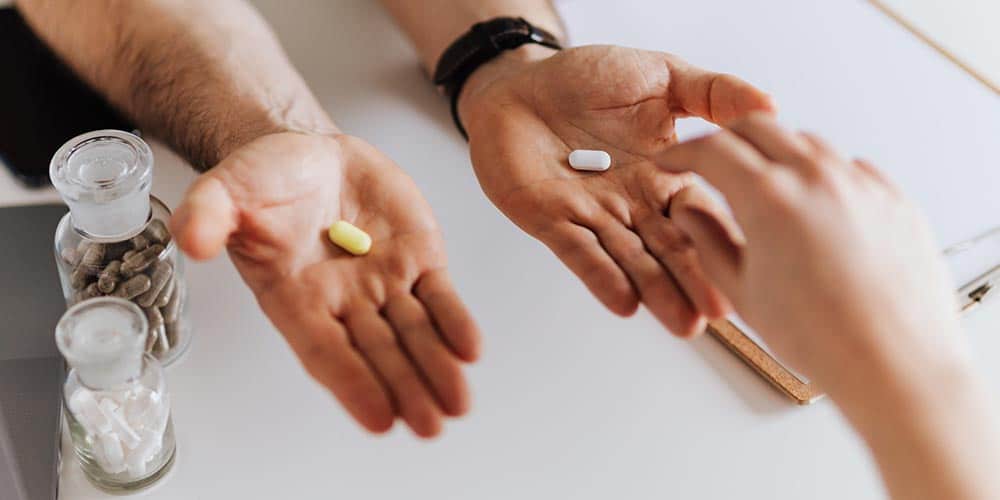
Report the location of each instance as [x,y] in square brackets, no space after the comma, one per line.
[570,401]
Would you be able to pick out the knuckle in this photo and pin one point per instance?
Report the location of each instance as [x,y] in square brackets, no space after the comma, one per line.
[579,208]
[617,205]
[677,243]
[631,250]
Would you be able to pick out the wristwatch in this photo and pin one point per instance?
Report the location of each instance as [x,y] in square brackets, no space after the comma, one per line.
[479,45]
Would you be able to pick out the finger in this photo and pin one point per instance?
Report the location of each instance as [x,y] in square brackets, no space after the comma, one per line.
[578,248]
[774,141]
[434,360]
[324,347]
[716,97]
[205,219]
[724,159]
[819,145]
[697,197]
[870,170]
[376,339]
[675,251]
[712,232]
[657,289]
[447,311]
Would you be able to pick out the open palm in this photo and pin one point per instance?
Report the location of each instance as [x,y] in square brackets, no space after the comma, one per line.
[386,331]
[611,228]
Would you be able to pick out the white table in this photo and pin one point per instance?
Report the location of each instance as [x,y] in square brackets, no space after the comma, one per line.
[570,401]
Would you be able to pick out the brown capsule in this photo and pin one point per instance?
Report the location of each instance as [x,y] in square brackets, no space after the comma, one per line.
[128,255]
[115,251]
[139,242]
[173,331]
[108,279]
[133,287]
[70,256]
[90,292]
[92,258]
[157,232]
[172,310]
[138,262]
[164,297]
[158,279]
[79,278]
[154,316]
[150,341]
[162,344]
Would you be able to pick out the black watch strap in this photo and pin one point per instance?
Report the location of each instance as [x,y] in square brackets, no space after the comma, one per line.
[479,45]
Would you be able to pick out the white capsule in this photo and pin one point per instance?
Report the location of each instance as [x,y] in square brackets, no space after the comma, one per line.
[125,434]
[590,160]
[137,458]
[87,411]
[113,455]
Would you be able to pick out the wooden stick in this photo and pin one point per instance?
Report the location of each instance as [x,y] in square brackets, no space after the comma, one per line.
[908,26]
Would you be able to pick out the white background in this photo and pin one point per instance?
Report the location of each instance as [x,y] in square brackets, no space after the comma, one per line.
[571,402]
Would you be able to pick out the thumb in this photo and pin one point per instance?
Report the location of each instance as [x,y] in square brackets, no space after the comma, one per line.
[205,219]
[715,236]
[716,97]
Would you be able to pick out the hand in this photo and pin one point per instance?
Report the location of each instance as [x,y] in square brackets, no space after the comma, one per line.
[838,272]
[385,332]
[525,112]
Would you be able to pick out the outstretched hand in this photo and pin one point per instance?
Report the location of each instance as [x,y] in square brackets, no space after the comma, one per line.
[879,300]
[525,113]
[385,332]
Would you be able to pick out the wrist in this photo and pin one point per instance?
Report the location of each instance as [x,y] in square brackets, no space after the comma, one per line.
[508,63]
[920,381]
[249,123]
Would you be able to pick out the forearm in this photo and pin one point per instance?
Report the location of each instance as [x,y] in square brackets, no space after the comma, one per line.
[932,428]
[431,34]
[207,77]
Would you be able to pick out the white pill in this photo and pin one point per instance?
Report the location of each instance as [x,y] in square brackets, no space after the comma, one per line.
[114,456]
[148,447]
[86,410]
[136,466]
[590,159]
[125,433]
[134,407]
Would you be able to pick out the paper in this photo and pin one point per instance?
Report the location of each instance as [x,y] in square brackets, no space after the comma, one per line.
[965,29]
[845,71]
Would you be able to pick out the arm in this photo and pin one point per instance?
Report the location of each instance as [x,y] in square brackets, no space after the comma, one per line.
[889,352]
[207,77]
[527,109]
[386,332]
[431,35]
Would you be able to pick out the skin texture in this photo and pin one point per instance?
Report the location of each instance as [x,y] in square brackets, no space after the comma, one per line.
[878,327]
[528,110]
[385,333]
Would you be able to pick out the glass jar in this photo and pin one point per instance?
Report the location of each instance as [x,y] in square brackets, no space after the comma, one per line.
[115,398]
[114,241]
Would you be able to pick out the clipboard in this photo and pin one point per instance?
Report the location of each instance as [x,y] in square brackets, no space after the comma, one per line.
[835,69]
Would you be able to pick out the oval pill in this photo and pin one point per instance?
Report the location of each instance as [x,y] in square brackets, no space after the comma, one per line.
[593,160]
[347,236]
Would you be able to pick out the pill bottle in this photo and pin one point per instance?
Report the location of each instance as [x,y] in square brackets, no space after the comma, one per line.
[115,399]
[114,241]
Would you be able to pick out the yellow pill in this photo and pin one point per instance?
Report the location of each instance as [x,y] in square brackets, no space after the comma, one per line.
[347,236]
